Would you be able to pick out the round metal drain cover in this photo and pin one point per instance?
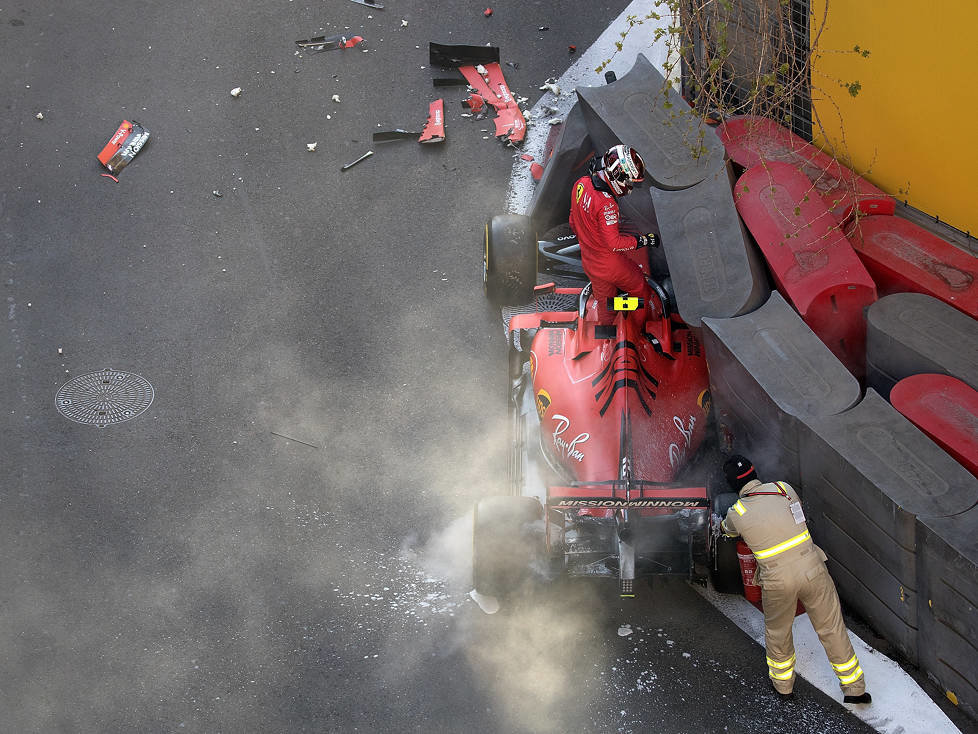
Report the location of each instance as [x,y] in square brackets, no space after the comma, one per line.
[103,398]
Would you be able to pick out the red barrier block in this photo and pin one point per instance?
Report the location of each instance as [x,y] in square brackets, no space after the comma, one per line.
[749,139]
[904,257]
[944,408]
[811,260]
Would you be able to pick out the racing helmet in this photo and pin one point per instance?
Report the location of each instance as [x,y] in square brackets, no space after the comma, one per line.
[621,168]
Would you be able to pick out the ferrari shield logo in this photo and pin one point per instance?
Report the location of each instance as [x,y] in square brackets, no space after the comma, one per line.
[543,402]
[578,193]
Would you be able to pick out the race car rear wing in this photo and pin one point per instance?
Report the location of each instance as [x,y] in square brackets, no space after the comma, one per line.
[611,495]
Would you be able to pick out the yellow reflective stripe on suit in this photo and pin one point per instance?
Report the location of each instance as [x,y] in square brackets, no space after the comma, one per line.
[739,507]
[782,547]
[847,679]
[847,665]
[782,670]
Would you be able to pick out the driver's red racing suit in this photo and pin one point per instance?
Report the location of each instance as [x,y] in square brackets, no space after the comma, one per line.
[594,218]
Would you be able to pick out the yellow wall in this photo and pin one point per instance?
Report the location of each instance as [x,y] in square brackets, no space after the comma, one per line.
[913,128]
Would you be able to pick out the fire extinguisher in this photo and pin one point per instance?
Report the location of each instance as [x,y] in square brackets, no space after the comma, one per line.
[748,572]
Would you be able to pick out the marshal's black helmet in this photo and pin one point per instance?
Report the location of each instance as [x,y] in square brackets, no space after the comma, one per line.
[738,470]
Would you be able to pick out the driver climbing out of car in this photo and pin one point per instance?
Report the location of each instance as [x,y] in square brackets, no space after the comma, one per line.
[790,567]
[594,217]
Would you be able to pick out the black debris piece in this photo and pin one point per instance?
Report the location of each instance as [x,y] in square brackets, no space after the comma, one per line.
[328,43]
[513,64]
[370,4]
[385,136]
[449,81]
[544,28]
[451,56]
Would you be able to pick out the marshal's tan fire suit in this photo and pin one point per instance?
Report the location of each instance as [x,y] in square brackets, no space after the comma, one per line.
[791,567]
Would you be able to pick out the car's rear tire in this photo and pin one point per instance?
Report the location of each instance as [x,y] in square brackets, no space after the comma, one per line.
[724,565]
[507,541]
[509,264]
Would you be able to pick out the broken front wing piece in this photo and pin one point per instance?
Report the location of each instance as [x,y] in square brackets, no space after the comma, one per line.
[127,141]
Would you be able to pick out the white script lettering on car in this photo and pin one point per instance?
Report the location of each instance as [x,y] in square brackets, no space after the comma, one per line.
[677,452]
[568,449]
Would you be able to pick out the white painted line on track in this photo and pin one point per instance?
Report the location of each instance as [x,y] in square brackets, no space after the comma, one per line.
[899,705]
[583,74]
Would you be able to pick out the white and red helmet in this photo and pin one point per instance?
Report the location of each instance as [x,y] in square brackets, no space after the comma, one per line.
[621,168]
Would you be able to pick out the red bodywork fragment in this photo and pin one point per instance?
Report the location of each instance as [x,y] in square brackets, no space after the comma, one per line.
[536,170]
[492,87]
[487,12]
[123,146]
[475,102]
[434,128]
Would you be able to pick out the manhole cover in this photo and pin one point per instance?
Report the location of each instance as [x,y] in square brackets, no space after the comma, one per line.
[103,398]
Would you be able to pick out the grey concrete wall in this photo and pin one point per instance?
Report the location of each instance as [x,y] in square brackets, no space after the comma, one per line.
[911,333]
[869,474]
[767,368]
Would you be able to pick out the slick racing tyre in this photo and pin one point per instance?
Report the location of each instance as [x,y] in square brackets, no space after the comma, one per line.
[724,565]
[507,541]
[509,262]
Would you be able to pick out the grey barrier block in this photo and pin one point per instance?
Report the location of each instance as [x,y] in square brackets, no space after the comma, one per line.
[715,271]
[910,333]
[550,205]
[948,604]
[868,474]
[767,368]
[642,111]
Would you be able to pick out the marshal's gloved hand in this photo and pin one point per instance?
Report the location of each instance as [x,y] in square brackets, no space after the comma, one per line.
[647,240]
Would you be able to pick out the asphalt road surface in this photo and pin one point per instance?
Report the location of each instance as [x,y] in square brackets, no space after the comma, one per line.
[279,543]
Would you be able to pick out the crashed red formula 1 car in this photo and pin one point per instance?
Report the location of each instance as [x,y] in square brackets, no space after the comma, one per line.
[606,423]
[614,467]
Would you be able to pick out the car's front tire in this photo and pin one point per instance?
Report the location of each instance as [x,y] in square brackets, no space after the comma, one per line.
[509,261]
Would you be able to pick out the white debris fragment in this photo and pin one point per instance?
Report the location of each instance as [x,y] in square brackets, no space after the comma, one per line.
[311,147]
[60,350]
[625,630]
[488,604]
[554,121]
[336,98]
[236,91]
[551,86]
[481,69]
[403,23]
[39,115]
